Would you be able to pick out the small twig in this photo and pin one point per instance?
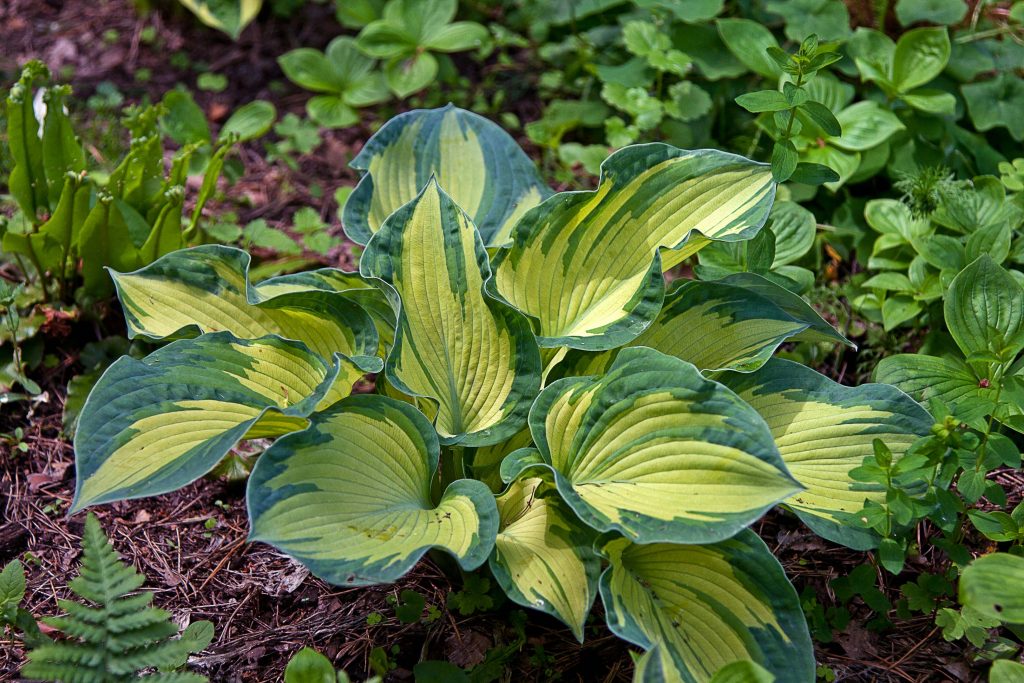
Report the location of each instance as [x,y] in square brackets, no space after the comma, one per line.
[220,565]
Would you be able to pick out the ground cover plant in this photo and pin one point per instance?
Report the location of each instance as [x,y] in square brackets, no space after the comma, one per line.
[512,340]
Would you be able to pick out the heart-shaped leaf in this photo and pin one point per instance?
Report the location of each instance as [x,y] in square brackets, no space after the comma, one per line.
[823,430]
[207,289]
[984,309]
[543,558]
[718,326]
[950,380]
[349,497]
[655,451]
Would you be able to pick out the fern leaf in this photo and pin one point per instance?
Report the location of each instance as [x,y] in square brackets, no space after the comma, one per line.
[128,623]
[65,673]
[79,663]
[76,611]
[168,654]
[118,637]
[103,576]
[128,642]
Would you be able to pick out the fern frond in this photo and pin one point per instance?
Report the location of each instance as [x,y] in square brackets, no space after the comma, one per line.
[59,653]
[129,623]
[103,577]
[165,655]
[131,604]
[65,673]
[126,642]
[76,611]
[120,634]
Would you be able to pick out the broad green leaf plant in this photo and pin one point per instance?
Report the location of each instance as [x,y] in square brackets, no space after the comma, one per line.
[74,221]
[546,405]
[410,37]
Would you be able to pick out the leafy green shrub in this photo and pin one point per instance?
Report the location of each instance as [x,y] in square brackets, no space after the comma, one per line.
[972,385]
[550,409]
[110,640]
[69,214]
[406,34]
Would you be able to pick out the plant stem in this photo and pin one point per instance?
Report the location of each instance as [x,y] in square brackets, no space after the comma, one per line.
[792,111]
[39,269]
[451,467]
[981,35]
[988,426]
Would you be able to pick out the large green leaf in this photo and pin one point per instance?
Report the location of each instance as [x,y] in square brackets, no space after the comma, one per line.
[586,266]
[818,329]
[823,430]
[951,381]
[997,103]
[718,326]
[749,41]
[456,344]
[153,425]
[477,163]
[655,451]
[207,289]
[794,228]
[984,309]
[994,585]
[543,556]
[705,606]
[865,125]
[714,325]
[361,290]
[921,55]
[349,497]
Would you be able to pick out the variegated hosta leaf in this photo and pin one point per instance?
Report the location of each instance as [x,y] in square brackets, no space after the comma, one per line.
[818,330]
[717,326]
[153,425]
[655,451]
[349,497]
[207,289]
[357,288]
[543,557]
[824,430]
[586,266]
[456,344]
[714,325]
[476,162]
[653,666]
[704,606]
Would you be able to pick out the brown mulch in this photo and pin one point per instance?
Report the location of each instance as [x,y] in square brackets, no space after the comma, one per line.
[264,605]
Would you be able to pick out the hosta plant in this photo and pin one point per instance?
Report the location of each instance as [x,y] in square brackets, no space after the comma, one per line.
[546,405]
